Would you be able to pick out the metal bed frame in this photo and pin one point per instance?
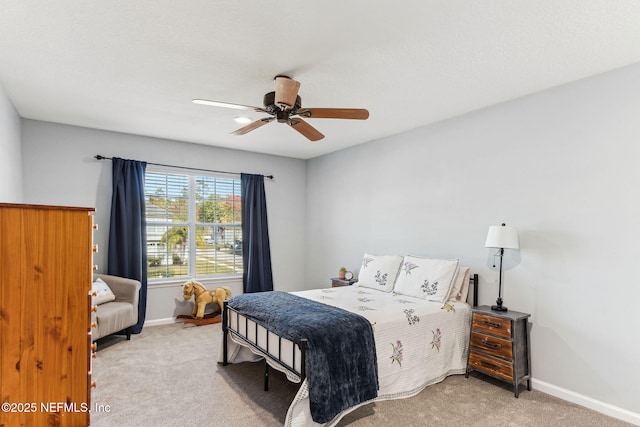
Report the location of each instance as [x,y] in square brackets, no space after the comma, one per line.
[268,350]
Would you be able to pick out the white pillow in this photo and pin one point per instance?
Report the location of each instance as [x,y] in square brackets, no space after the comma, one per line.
[103,292]
[379,271]
[426,278]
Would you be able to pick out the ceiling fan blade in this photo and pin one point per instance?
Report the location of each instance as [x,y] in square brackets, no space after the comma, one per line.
[334,113]
[252,126]
[286,92]
[228,105]
[305,129]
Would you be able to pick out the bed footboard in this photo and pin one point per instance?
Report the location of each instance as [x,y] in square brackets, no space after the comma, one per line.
[289,356]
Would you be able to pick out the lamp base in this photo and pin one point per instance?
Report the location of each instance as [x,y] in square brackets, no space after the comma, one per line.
[498,306]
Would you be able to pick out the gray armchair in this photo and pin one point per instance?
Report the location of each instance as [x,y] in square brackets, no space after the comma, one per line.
[120,314]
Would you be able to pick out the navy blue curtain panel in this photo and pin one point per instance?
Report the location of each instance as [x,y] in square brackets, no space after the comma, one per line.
[256,254]
[127,256]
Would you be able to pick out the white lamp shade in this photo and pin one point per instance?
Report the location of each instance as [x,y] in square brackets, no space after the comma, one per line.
[502,236]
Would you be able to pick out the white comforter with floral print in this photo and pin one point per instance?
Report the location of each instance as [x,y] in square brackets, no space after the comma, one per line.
[418,342]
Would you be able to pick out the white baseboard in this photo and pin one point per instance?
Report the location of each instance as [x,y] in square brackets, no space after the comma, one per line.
[587,402]
[158,322]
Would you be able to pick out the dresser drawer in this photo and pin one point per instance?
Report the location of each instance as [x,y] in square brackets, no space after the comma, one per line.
[492,345]
[491,325]
[491,365]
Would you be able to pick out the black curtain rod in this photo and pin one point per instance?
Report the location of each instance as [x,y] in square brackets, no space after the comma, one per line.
[100,157]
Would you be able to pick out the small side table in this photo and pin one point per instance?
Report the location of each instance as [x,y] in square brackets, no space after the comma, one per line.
[335,282]
[499,345]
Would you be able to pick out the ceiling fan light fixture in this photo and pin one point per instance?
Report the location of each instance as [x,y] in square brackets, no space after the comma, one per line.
[218,104]
[286,92]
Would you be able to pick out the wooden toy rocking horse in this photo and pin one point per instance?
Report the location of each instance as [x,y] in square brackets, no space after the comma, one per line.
[203,297]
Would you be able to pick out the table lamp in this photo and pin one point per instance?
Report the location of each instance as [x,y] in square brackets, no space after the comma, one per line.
[501,237]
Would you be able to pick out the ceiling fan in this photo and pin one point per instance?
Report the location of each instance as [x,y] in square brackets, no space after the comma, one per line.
[285,106]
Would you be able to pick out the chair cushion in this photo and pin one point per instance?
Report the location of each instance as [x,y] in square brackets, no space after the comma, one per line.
[114,317]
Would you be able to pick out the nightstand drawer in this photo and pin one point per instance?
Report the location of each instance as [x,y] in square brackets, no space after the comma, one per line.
[491,366]
[491,325]
[492,345]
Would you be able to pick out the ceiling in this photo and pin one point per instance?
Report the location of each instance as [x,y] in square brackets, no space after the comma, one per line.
[134,66]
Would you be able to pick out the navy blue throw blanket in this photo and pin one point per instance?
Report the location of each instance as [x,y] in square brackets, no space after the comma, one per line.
[341,365]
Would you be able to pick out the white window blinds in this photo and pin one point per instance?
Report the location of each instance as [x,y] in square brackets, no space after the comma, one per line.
[193,225]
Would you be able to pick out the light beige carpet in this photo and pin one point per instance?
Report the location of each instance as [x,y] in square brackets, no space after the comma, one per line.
[169,376]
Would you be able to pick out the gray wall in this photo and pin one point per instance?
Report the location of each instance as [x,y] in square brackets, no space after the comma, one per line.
[60,169]
[562,167]
[10,150]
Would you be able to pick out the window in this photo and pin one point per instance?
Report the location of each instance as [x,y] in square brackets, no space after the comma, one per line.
[193,225]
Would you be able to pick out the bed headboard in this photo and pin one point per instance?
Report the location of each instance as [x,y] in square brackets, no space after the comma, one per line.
[472,297]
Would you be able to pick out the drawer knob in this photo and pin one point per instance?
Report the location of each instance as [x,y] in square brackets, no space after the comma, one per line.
[492,324]
[489,344]
[93,384]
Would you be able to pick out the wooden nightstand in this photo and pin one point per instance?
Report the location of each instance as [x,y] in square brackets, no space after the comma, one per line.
[499,345]
[335,282]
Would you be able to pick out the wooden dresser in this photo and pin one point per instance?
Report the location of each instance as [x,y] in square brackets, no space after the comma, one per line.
[45,323]
[499,345]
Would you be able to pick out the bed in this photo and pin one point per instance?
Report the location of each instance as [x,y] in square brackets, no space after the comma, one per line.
[414,309]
